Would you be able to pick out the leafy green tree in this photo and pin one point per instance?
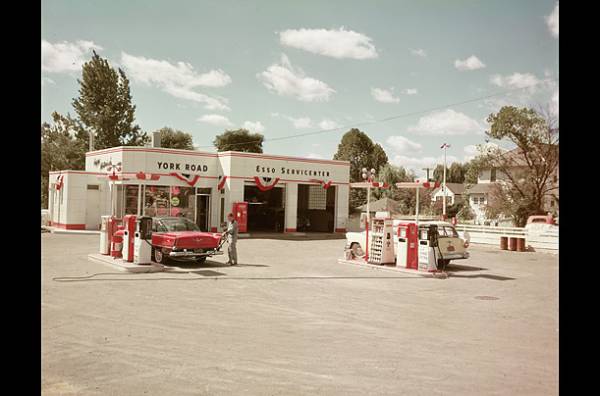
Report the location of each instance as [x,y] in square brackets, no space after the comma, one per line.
[61,149]
[104,106]
[175,139]
[357,148]
[391,175]
[454,174]
[239,140]
[526,171]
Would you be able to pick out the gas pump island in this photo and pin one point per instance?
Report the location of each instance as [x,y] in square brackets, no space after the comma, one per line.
[417,247]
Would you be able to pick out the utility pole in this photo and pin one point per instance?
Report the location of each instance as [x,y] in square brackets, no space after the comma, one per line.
[444,146]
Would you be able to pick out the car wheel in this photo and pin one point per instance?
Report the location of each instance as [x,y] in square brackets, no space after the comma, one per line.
[159,256]
[356,249]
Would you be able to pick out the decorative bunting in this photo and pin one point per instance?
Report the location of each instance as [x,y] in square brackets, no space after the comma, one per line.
[147,176]
[380,185]
[59,182]
[189,179]
[265,187]
[322,182]
[222,183]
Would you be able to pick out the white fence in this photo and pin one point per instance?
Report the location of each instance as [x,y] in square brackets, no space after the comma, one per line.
[547,239]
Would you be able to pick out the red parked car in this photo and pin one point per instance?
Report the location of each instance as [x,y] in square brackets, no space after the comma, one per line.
[180,239]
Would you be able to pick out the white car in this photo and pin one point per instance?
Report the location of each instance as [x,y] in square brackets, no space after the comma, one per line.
[452,246]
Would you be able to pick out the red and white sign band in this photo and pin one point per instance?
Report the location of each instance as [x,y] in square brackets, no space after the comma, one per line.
[189,179]
[265,187]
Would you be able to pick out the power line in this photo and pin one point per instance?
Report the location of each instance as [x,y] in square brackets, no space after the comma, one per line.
[365,123]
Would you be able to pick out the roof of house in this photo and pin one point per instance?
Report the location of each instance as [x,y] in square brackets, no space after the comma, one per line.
[480,188]
[383,205]
[456,188]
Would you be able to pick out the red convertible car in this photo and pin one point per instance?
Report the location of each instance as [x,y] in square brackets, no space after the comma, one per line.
[179,239]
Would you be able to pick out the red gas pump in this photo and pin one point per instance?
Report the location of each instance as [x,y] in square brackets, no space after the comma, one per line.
[408,246]
[240,211]
[113,223]
[129,222]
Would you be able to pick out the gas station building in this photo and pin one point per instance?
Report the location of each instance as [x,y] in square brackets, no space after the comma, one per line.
[280,193]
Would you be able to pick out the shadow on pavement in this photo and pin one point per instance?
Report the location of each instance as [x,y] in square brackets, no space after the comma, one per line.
[484,276]
[458,268]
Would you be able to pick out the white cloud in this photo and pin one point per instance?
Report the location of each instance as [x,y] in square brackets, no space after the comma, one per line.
[471,63]
[384,96]
[410,91]
[552,21]
[179,79]
[516,81]
[301,123]
[285,80]
[66,57]
[402,145]
[418,52]
[314,156]
[446,122]
[254,126]
[215,119]
[328,124]
[46,81]
[338,44]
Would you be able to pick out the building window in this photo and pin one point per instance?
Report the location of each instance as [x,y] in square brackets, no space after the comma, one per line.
[182,202]
[317,198]
[156,201]
[493,174]
[131,199]
[93,187]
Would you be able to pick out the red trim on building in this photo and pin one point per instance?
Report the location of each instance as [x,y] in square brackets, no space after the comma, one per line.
[290,230]
[340,230]
[284,180]
[68,226]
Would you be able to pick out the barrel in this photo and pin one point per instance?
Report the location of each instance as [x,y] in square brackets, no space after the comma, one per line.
[512,244]
[504,243]
[521,244]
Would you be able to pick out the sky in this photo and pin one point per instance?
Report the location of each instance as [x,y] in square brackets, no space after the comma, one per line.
[287,68]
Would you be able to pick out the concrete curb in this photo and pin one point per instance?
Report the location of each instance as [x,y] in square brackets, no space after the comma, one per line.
[358,263]
[125,266]
[63,231]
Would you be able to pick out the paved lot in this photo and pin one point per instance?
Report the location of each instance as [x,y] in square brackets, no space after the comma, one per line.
[292,321]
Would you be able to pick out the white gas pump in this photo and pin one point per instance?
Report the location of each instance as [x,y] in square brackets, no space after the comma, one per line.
[104,235]
[428,242]
[142,245]
[382,241]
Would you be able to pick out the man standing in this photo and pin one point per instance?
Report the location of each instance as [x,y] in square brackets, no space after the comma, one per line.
[232,233]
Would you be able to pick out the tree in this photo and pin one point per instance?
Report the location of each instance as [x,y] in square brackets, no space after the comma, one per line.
[454,174]
[391,175]
[175,139]
[61,149]
[526,171]
[239,140]
[104,106]
[357,148]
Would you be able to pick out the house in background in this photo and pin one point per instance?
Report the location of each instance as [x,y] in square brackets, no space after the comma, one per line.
[477,196]
[454,194]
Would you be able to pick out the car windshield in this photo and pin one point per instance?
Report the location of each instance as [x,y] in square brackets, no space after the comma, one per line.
[175,224]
